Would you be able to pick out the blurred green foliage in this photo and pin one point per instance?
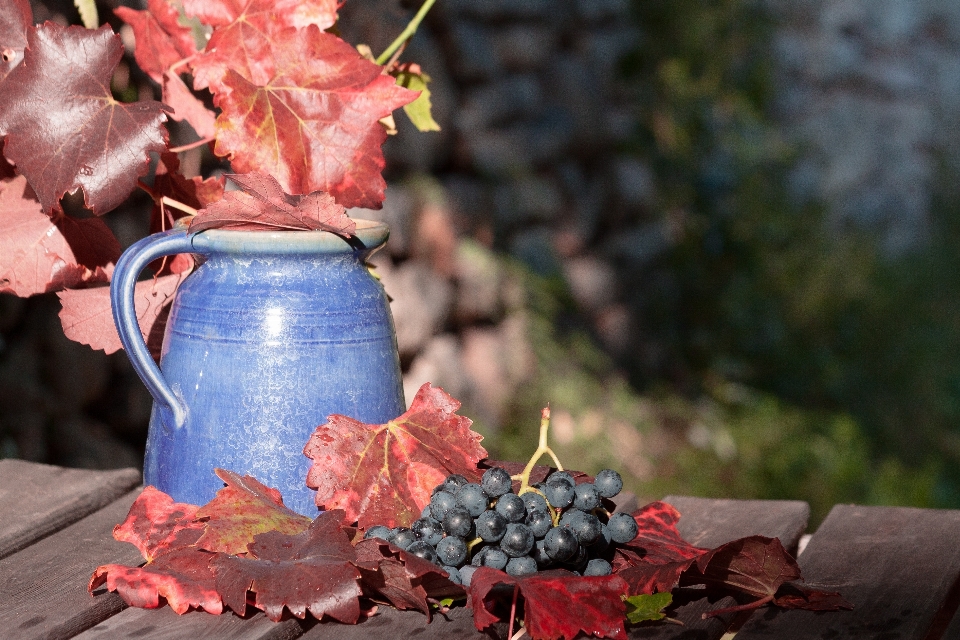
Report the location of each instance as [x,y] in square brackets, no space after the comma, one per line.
[801,361]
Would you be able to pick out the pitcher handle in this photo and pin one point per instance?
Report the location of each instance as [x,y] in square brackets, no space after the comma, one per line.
[125,274]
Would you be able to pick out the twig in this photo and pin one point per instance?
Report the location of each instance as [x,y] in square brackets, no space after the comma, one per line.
[192,145]
[176,204]
[756,604]
[513,609]
[407,33]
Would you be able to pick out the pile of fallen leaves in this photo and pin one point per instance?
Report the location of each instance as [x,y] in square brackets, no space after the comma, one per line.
[246,549]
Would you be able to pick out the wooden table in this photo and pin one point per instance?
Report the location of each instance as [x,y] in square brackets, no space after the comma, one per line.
[900,567]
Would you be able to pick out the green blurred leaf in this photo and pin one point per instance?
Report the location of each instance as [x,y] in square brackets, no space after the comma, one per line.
[410,77]
[88,13]
[647,607]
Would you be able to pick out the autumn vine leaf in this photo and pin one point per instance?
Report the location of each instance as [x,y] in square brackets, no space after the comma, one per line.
[64,130]
[16,16]
[161,40]
[314,123]
[246,35]
[87,318]
[261,204]
[556,604]
[384,474]
[658,555]
[39,254]
[242,510]
[311,571]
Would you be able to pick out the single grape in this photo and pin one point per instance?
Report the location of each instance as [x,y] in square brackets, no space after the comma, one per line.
[428,530]
[452,551]
[496,482]
[472,498]
[534,502]
[423,550]
[560,544]
[511,507]
[440,503]
[561,476]
[622,527]
[517,541]
[602,543]
[522,566]
[458,522]
[495,558]
[477,559]
[598,567]
[608,482]
[539,554]
[579,560]
[586,527]
[491,526]
[453,574]
[456,479]
[403,537]
[560,494]
[426,513]
[586,497]
[466,573]
[539,523]
[379,531]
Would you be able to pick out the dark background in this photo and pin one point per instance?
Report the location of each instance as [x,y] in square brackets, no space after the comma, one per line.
[718,237]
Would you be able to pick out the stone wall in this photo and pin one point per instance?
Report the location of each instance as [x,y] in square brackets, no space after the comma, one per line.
[870,92]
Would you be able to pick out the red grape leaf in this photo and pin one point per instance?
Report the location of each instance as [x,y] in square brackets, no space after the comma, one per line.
[156,524]
[795,596]
[245,32]
[161,40]
[556,604]
[16,16]
[87,318]
[311,571]
[240,511]
[182,576]
[262,204]
[63,128]
[186,106]
[38,254]
[401,578]
[655,559]
[384,474]
[755,565]
[314,123]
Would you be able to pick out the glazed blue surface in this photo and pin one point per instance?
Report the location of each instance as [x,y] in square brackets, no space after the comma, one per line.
[272,333]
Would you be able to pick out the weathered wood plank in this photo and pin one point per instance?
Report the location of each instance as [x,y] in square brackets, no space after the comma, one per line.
[391,623]
[37,499]
[707,522]
[164,624]
[898,566]
[43,588]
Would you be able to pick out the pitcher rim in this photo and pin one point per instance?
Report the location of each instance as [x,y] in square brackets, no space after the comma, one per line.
[370,235]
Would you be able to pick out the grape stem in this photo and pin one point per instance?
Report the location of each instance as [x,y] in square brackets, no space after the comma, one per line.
[542,449]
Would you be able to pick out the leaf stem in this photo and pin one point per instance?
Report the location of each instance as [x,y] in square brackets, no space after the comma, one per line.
[750,606]
[192,145]
[513,609]
[407,33]
[176,204]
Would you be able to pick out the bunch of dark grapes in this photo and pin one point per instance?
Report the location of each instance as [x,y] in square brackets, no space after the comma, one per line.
[469,525]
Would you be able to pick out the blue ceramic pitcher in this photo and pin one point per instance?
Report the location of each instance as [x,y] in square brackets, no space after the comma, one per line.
[271,333]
